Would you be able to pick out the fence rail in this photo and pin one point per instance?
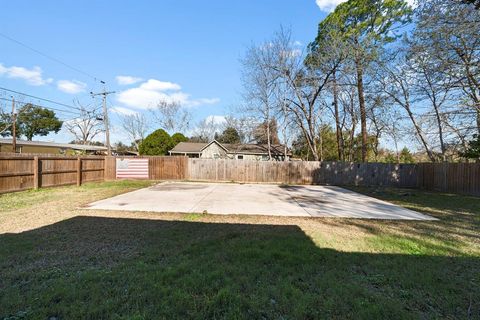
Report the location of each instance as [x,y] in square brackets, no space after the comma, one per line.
[21,172]
[33,171]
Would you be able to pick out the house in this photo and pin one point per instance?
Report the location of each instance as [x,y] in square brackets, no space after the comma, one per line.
[50,147]
[217,150]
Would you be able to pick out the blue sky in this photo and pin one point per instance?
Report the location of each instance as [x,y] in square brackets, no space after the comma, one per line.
[186,49]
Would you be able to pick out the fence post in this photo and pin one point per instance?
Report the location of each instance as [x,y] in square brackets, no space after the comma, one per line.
[79,171]
[36,173]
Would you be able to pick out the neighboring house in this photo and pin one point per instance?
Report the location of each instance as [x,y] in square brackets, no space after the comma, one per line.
[217,150]
[50,147]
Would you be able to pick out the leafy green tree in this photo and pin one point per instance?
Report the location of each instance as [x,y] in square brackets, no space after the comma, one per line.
[406,156]
[229,135]
[32,121]
[177,138]
[327,146]
[473,151]
[120,147]
[157,143]
[365,25]
[5,124]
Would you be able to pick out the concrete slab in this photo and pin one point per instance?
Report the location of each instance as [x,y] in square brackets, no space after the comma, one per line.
[257,199]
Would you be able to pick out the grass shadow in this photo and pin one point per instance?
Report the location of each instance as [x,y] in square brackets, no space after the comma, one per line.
[92,267]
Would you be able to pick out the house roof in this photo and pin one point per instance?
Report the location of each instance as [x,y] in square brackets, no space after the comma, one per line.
[240,148]
[55,145]
[189,147]
[261,149]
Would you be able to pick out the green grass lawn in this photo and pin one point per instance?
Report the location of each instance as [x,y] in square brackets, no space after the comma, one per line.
[70,263]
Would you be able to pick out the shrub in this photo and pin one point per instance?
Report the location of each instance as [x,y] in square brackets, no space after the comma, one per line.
[157,143]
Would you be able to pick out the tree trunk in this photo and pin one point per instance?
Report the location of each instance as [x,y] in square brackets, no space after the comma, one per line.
[478,120]
[420,133]
[337,118]
[361,103]
[268,142]
[440,133]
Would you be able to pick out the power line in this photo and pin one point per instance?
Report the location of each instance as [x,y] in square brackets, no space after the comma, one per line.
[50,57]
[50,108]
[42,99]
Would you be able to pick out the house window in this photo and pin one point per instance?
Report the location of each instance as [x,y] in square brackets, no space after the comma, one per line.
[216,156]
[264,157]
[239,157]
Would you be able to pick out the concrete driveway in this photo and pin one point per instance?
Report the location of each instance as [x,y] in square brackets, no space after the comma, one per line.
[257,199]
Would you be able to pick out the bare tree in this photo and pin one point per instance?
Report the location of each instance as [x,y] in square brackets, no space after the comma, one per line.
[260,86]
[136,126]
[306,83]
[206,129]
[451,37]
[278,82]
[245,126]
[395,80]
[87,125]
[172,116]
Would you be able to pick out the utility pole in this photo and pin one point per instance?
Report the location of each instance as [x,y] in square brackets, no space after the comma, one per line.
[104,95]
[14,126]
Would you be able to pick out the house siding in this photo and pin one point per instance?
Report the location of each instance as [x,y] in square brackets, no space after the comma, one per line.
[214,148]
[30,149]
[210,151]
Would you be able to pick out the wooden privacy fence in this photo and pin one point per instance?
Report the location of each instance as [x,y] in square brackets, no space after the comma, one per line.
[297,172]
[36,171]
[461,178]
[159,168]
[20,172]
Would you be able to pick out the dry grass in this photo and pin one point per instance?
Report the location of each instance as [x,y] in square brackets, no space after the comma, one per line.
[60,260]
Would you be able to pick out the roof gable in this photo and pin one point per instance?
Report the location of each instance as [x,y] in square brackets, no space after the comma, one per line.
[217,143]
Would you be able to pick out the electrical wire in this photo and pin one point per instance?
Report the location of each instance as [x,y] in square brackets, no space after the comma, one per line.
[49,108]
[42,99]
[51,58]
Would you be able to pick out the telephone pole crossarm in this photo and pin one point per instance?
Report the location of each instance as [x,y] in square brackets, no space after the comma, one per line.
[104,95]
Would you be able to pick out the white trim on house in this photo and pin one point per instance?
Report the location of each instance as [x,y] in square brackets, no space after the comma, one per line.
[214,141]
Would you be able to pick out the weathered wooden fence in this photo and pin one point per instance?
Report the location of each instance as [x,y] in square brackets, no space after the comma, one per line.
[36,171]
[20,172]
[332,173]
[463,178]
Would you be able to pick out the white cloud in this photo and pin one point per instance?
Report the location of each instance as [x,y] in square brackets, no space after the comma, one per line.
[329,5]
[156,85]
[71,87]
[31,76]
[127,80]
[123,111]
[149,93]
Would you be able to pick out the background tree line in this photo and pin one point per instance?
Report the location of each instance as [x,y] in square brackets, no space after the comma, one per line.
[379,75]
